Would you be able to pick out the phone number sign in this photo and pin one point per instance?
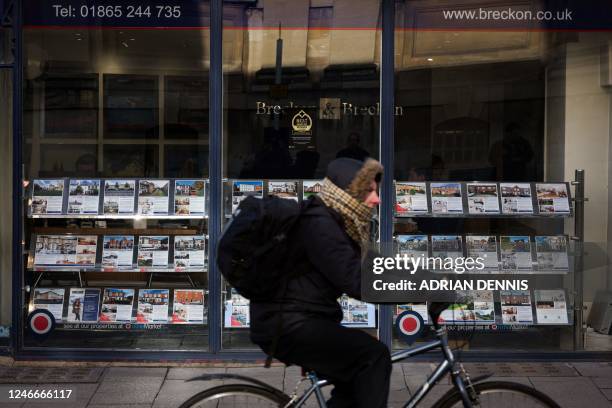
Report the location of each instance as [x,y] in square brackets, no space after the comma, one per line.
[190,13]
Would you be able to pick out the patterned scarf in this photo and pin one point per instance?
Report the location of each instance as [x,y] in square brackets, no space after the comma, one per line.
[355,214]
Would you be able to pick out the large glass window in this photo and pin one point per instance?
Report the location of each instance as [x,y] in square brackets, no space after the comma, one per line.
[514,109]
[491,124]
[116,162]
[301,88]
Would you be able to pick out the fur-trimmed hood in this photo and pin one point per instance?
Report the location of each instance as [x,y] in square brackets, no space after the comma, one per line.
[360,185]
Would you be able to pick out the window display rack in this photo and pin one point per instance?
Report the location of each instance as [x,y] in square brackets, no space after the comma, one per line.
[467,205]
[114,235]
[548,209]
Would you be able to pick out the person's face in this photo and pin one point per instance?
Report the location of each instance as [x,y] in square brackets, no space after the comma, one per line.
[372,199]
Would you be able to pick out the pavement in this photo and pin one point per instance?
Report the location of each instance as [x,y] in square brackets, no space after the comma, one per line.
[572,384]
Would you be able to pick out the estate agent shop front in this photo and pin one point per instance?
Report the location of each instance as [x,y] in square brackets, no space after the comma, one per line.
[134,129]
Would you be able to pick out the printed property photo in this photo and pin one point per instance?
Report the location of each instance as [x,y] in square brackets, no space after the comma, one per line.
[196,194]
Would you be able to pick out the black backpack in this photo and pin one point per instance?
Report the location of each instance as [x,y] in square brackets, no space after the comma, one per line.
[252,251]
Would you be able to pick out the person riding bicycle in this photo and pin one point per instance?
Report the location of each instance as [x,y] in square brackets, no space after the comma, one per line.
[301,324]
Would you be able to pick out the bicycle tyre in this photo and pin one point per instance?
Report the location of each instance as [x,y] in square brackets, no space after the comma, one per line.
[216,393]
[453,399]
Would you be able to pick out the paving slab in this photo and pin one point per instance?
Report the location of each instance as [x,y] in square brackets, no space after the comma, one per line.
[602,382]
[291,381]
[414,382]
[293,369]
[49,375]
[258,372]
[123,373]
[434,395]
[185,373]
[138,390]
[571,392]
[12,404]
[273,376]
[121,406]
[525,369]
[82,392]
[398,397]
[594,369]
[417,368]
[398,383]
[520,380]
[4,395]
[607,392]
[174,392]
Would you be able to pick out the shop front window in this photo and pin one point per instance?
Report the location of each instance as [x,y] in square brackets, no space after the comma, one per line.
[301,87]
[115,141]
[489,119]
[494,128]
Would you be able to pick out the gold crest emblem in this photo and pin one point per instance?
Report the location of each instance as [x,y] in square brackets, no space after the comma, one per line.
[301,123]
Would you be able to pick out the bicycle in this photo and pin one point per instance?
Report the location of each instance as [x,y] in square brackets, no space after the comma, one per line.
[467,392]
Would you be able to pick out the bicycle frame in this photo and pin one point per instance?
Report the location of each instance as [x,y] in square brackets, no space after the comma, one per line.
[447,366]
[315,387]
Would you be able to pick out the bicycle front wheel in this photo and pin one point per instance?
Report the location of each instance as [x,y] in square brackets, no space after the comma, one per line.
[237,395]
[500,394]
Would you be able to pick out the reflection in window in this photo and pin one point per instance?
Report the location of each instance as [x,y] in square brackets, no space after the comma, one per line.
[185,161]
[325,80]
[71,104]
[131,161]
[130,106]
[186,107]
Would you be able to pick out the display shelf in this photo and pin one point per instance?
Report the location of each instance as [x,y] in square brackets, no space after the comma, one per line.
[100,269]
[546,272]
[405,219]
[107,199]
[115,231]
[463,199]
[495,327]
[118,217]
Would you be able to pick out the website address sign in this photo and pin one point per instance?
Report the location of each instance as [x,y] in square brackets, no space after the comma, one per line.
[508,14]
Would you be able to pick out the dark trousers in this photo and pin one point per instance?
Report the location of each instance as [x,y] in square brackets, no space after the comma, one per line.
[356,363]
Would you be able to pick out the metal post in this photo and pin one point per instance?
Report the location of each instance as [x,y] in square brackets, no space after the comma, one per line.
[17,316]
[386,150]
[215,162]
[578,259]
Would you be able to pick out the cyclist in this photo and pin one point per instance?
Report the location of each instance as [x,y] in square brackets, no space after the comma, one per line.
[301,324]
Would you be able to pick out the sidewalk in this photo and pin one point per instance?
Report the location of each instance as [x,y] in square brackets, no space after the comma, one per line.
[573,384]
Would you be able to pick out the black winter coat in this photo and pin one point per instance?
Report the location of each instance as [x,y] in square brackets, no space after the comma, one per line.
[328,264]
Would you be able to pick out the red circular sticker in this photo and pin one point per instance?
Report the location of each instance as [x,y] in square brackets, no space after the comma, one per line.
[409,324]
[41,321]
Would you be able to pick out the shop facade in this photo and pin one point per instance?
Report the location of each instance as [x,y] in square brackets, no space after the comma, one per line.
[137,128]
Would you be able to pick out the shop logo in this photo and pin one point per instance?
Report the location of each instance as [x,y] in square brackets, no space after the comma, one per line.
[301,123]
[329,108]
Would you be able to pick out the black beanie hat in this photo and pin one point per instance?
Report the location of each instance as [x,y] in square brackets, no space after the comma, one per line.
[342,171]
[354,176]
